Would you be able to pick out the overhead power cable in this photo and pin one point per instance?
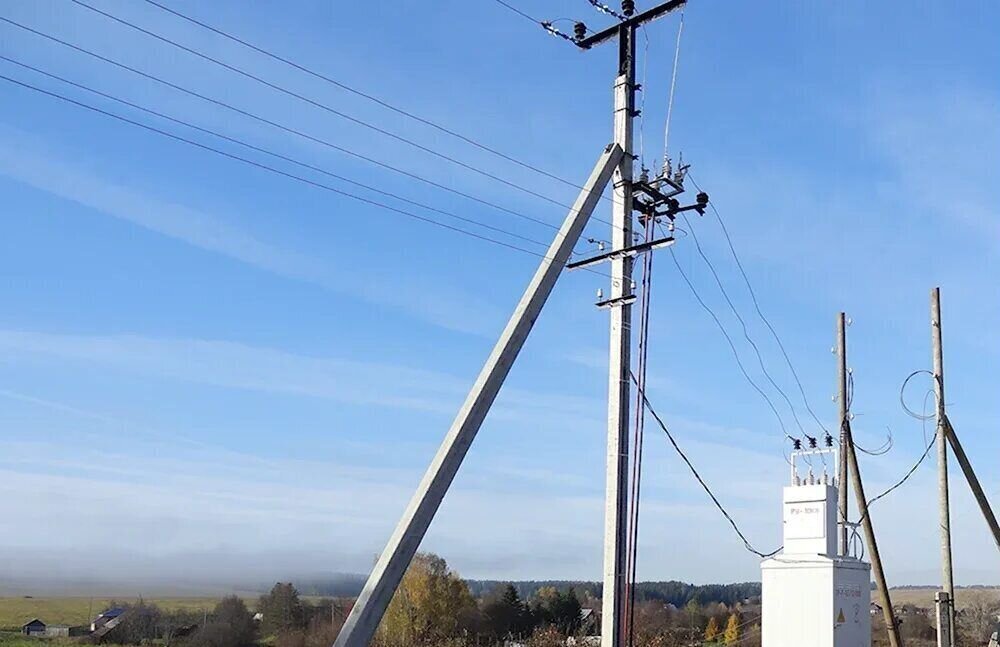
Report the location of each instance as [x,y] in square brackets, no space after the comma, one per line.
[760,313]
[923,418]
[701,481]
[277,171]
[291,130]
[743,325]
[285,158]
[320,105]
[732,346]
[370,97]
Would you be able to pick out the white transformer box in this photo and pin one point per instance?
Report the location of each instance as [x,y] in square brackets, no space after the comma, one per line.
[811,596]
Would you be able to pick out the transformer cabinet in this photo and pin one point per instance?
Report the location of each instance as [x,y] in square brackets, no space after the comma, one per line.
[811,596]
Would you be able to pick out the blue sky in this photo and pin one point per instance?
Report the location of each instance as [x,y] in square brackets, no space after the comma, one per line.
[203,363]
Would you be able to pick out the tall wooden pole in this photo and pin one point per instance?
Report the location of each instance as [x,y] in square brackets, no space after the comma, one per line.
[947,574]
[850,456]
[842,458]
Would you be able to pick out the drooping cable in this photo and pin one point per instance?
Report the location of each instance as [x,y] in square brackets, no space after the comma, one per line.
[632,546]
[370,97]
[701,481]
[757,308]
[923,418]
[732,346]
[746,331]
[281,172]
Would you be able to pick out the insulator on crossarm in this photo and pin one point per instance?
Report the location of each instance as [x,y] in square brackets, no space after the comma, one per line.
[628,7]
[797,443]
[580,31]
[829,440]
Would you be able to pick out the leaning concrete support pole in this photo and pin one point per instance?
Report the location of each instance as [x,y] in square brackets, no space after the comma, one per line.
[970,475]
[866,522]
[392,564]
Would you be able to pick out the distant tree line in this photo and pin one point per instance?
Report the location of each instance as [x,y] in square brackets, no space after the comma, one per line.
[672,591]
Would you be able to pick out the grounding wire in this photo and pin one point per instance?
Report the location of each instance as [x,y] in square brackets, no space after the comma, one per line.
[366,95]
[288,129]
[285,158]
[320,105]
[280,172]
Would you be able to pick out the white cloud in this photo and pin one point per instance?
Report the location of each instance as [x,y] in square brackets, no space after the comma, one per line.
[28,162]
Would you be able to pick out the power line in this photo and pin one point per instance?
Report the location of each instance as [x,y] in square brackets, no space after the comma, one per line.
[701,481]
[732,346]
[519,12]
[280,172]
[322,106]
[272,153]
[370,97]
[743,324]
[274,124]
[760,313]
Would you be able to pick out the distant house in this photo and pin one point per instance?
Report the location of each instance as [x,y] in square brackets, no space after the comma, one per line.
[33,627]
[106,617]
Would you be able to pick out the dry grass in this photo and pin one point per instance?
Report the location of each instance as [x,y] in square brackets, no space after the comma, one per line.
[925,597]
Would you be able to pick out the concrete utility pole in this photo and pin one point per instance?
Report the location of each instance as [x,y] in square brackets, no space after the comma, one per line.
[943,604]
[948,582]
[850,456]
[619,358]
[619,367]
[392,564]
[842,458]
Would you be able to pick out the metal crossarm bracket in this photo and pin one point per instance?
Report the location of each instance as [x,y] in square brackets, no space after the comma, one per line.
[639,19]
[628,252]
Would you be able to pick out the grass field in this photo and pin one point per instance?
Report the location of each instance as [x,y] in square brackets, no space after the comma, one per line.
[925,597]
[15,611]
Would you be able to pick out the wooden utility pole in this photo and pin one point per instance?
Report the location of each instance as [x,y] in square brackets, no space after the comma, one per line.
[970,475]
[947,574]
[842,458]
[848,452]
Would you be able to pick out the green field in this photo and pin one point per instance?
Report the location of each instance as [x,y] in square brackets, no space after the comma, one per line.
[15,611]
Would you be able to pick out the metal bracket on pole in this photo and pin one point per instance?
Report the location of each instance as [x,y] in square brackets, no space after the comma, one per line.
[395,559]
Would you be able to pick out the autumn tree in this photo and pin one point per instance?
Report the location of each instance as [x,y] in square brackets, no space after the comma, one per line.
[431,606]
[712,631]
[732,635]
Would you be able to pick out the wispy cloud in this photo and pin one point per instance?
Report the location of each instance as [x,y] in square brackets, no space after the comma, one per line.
[28,162]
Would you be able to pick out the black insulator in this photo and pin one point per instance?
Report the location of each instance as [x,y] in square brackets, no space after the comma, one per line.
[829,440]
[796,443]
[812,442]
[702,198]
[673,204]
[628,7]
[580,31]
